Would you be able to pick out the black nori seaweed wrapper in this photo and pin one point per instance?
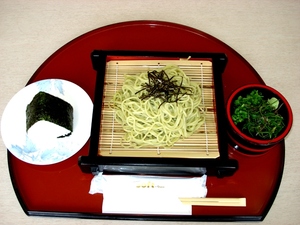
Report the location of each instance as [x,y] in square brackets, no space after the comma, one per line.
[47,107]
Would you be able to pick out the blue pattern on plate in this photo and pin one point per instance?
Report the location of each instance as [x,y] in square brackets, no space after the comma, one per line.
[48,85]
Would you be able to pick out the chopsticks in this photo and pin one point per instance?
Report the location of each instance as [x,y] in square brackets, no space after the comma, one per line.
[240,202]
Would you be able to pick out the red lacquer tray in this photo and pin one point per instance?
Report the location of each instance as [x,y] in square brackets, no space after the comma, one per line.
[62,189]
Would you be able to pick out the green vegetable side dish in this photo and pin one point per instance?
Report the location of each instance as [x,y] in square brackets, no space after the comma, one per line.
[258,116]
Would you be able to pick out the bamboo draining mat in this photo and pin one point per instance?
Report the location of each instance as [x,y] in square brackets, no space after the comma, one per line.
[202,144]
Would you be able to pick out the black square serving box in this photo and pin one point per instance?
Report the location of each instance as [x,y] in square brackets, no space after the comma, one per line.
[219,166]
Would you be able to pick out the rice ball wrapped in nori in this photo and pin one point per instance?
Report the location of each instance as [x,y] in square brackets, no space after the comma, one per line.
[49,114]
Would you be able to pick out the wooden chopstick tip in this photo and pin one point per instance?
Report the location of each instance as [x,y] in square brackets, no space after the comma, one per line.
[229,202]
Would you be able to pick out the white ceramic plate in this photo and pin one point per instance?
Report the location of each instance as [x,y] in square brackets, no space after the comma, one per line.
[13,123]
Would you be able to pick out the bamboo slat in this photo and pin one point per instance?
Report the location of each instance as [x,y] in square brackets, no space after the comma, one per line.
[202,144]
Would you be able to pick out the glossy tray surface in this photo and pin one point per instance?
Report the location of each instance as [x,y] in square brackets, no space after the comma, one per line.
[62,189]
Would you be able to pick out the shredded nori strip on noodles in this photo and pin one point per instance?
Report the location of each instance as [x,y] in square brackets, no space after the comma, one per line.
[160,85]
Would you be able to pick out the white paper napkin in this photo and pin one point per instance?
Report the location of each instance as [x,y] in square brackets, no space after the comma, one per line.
[147,194]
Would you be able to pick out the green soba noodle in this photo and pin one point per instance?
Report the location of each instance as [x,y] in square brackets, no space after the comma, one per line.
[150,122]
